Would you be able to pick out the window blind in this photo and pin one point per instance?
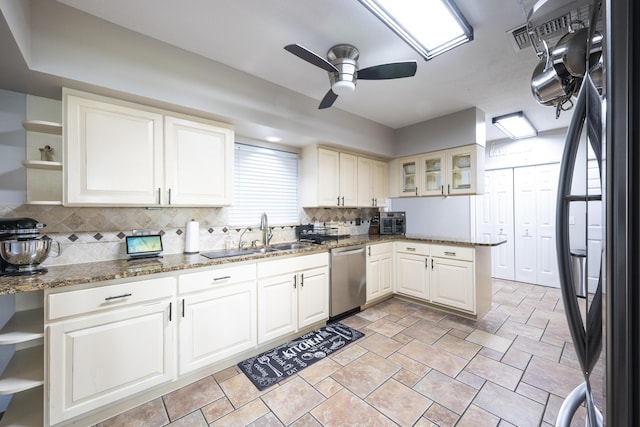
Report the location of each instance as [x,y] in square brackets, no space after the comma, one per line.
[266,180]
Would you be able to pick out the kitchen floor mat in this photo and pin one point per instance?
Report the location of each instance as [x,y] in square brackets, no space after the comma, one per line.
[281,362]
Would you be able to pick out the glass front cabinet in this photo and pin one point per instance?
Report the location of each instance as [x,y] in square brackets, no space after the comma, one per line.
[443,173]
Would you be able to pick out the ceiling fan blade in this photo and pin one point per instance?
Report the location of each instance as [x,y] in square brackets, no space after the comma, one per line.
[328,100]
[393,70]
[304,53]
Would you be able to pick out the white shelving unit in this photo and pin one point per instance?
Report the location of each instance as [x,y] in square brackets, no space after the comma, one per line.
[44,178]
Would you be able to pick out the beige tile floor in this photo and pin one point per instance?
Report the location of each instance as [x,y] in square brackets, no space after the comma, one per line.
[416,366]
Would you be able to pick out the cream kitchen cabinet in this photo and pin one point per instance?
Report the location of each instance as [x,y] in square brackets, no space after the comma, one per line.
[452,277]
[457,171]
[329,178]
[379,270]
[124,154]
[372,182]
[107,343]
[412,269]
[217,315]
[293,293]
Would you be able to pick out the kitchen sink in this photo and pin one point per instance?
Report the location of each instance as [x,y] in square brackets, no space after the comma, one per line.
[290,246]
[248,251]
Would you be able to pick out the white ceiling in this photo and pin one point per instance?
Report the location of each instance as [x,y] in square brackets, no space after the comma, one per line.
[249,35]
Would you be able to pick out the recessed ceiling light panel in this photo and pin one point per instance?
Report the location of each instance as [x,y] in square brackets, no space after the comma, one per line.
[515,125]
[431,27]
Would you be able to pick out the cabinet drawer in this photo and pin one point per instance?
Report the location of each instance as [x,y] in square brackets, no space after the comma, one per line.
[413,248]
[191,282]
[379,249]
[452,252]
[107,297]
[286,265]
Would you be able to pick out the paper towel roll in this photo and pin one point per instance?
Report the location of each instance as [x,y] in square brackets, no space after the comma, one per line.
[191,237]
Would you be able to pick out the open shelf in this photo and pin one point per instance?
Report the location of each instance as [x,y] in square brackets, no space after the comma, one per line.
[42,126]
[40,164]
[22,327]
[25,371]
[25,409]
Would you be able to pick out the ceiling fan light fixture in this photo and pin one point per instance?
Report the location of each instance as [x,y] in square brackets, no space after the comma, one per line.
[343,87]
[515,125]
[431,27]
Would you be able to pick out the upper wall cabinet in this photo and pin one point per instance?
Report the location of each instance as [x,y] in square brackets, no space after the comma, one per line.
[451,172]
[123,154]
[332,178]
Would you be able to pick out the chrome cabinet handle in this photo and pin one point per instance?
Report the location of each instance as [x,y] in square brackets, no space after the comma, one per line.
[342,200]
[450,253]
[426,263]
[416,191]
[411,249]
[338,200]
[169,196]
[182,307]
[448,188]
[170,310]
[442,190]
[432,263]
[221,278]
[369,248]
[159,197]
[373,201]
[295,278]
[302,280]
[117,297]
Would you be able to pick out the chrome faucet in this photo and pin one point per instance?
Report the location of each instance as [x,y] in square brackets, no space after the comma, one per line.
[240,241]
[264,226]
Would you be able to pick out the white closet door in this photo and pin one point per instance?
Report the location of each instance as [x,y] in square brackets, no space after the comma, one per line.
[524,184]
[502,208]
[546,192]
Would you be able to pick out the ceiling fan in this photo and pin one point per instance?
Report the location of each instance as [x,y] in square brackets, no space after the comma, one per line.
[342,65]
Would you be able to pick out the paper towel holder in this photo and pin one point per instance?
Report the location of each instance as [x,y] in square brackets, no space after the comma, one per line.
[191,245]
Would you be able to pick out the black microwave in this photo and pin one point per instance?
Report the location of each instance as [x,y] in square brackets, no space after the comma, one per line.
[393,223]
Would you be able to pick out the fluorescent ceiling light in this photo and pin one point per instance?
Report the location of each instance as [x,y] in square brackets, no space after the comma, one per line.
[516,125]
[431,27]
[273,139]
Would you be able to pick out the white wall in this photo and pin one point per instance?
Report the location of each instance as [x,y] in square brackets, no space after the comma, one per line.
[448,217]
[453,130]
[13,176]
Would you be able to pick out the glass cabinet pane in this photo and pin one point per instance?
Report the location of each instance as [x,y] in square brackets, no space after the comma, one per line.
[461,171]
[409,177]
[433,174]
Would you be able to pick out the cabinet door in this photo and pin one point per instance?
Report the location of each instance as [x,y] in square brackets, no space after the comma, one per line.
[328,177]
[385,274]
[216,324]
[409,177]
[412,275]
[277,306]
[98,359]
[434,173]
[452,283]
[113,154]
[348,180]
[379,177]
[374,266]
[463,170]
[365,182]
[313,296]
[198,163]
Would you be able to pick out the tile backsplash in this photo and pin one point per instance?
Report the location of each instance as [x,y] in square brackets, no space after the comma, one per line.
[98,234]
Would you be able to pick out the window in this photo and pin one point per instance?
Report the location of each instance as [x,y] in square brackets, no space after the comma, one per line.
[266,180]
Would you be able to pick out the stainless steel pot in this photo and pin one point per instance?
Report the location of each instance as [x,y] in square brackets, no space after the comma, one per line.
[27,252]
[547,87]
[569,57]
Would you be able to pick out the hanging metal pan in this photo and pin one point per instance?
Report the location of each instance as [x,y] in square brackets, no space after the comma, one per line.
[569,57]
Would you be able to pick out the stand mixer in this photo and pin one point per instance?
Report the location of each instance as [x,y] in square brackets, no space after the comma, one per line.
[21,248]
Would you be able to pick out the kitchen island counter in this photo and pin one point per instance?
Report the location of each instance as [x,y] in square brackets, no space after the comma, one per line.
[95,272]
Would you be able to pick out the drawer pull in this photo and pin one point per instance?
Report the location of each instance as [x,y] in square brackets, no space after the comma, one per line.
[117,297]
[450,253]
[221,278]
[170,310]
[411,249]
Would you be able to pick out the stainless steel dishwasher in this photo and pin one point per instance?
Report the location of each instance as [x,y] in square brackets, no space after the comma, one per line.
[348,280]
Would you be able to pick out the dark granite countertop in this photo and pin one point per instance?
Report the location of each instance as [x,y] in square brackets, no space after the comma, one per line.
[93,272]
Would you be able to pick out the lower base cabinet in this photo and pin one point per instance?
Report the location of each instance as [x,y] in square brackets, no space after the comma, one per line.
[452,283]
[379,270]
[293,293]
[412,269]
[98,359]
